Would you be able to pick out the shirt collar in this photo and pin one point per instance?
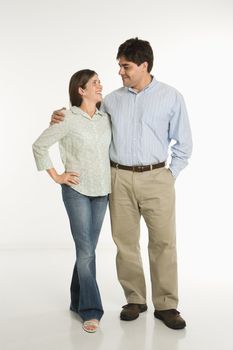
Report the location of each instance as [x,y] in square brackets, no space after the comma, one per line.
[147,87]
[77,110]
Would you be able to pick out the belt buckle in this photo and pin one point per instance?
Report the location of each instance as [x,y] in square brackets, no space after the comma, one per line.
[140,168]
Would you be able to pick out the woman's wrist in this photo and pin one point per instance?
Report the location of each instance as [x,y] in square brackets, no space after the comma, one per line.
[53,174]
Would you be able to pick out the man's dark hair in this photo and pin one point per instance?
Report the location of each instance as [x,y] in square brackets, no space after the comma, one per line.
[79,79]
[137,51]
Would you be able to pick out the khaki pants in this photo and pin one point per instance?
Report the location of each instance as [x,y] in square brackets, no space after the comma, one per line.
[152,195]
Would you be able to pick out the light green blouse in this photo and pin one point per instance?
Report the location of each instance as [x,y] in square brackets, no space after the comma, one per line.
[84,147]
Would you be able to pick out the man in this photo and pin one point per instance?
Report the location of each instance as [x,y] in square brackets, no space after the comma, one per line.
[146,116]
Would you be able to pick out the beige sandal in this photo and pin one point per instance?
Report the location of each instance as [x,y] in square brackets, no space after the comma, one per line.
[91,326]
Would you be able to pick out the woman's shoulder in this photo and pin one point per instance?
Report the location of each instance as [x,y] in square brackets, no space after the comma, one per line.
[68,112]
[70,115]
[102,113]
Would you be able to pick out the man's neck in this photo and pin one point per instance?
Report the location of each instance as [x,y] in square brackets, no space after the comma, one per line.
[143,83]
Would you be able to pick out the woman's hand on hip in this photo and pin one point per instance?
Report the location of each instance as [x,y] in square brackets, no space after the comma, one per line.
[69,178]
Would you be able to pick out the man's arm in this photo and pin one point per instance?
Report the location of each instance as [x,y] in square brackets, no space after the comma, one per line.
[180,132]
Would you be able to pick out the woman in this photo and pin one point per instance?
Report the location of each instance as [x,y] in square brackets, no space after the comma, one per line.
[84,138]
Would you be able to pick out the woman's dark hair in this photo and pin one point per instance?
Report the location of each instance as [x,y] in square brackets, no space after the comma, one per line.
[137,51]
[79,79]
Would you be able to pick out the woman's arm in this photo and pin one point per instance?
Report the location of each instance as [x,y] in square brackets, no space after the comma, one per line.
[48,138]
[40,150]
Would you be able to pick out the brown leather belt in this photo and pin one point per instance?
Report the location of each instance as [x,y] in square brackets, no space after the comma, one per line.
[137,168]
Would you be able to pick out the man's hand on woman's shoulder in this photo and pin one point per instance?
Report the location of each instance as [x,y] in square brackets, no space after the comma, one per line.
[58,116]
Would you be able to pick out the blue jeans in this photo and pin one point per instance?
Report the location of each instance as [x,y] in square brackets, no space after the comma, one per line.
[86,216]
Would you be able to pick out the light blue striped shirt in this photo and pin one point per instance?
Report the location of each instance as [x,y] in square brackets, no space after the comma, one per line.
[145,123]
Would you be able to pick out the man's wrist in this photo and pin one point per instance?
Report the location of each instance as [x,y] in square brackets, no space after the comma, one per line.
[173,174]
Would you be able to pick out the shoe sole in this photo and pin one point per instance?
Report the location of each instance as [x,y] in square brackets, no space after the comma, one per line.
[175,327]
[125,318]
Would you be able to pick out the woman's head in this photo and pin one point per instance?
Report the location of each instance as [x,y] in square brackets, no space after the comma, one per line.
[85,85]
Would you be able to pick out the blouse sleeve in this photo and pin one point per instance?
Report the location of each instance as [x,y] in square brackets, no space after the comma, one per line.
[48,138]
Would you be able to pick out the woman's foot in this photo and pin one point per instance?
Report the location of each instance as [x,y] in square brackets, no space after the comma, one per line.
[91,326]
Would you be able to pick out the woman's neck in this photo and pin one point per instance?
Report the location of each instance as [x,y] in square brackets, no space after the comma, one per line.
[90,109]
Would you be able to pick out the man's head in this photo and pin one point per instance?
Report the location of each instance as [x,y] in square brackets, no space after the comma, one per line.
[135,59]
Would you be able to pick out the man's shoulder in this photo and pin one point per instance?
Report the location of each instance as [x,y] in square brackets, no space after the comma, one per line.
[166,86]
[168,89]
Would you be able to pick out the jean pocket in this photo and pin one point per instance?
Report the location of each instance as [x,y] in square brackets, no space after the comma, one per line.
[68,192]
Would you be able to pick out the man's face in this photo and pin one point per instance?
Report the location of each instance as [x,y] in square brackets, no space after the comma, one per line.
[132,75]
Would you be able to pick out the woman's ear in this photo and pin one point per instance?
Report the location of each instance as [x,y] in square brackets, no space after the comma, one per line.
[81,91]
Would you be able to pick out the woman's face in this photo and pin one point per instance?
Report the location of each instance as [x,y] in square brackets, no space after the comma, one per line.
[93,90]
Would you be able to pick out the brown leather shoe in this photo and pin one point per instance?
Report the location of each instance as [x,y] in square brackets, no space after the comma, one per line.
[131,311]
[171,318]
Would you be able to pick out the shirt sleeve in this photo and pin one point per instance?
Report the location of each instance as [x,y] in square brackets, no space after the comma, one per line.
[48,137]
[180,132]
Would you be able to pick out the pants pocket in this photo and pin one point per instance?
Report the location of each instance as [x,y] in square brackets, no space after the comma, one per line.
[113,176]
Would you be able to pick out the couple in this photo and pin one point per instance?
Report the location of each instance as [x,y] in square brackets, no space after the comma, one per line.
[136,124]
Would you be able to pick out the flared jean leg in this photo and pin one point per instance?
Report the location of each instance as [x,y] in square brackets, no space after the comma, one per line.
[86,216]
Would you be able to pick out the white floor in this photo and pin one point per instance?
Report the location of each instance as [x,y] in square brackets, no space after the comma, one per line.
[34,309]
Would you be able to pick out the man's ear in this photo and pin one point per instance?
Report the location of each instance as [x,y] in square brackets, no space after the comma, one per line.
[145,65]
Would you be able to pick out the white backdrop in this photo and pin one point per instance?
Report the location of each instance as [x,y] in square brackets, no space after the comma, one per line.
[44,42]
